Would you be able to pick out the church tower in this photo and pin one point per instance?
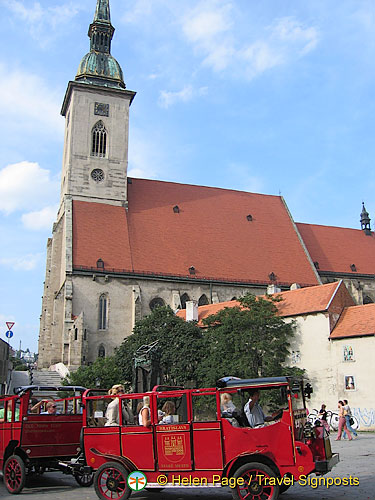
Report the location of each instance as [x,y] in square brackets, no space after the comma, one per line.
[94,170]
[96,111]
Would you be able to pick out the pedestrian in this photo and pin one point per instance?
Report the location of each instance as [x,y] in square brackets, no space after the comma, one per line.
[342,422]
[323,417]
[348,416]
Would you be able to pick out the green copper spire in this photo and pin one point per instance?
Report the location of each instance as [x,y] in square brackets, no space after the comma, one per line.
[102,12]
[98,67]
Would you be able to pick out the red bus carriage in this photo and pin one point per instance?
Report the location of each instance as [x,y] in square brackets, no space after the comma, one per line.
[201,445]
[32,443]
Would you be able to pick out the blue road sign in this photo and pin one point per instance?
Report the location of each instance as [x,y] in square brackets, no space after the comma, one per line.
[9,334]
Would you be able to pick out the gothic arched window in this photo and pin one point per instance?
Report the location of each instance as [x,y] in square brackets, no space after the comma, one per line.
[203,300]
[184,298]
[101,351]
[156,302]
[103,312]
[99,140]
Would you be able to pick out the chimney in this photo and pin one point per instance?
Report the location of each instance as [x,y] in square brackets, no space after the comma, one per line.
[271,289]
[191,310]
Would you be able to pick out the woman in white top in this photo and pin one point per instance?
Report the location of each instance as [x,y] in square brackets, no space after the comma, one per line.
[144,416]
[169,409]
[112,413]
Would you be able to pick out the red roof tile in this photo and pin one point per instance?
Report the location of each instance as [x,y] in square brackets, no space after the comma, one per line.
[100,232]
[331,297]
[211,232]
[337,248]
[355,321]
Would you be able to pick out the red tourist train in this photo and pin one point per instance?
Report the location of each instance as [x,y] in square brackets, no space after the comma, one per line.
[202,444]
[32,441]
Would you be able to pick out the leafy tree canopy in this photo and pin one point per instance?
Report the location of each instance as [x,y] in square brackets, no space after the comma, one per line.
[104,373]
[248,341]
[179,345]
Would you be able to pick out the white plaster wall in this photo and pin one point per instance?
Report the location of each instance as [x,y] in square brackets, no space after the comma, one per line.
[312,340]
[362,399]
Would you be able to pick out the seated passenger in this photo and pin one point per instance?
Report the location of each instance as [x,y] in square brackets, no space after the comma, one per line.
[168,409]
[33,406]
[112,413]
[51,409]
[228,409]
[144,415]
[254,412]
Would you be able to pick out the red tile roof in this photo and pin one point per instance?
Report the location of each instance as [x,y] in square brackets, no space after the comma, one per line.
[355,321]
[337,248]
[100,231]
[331,297]
[211,232]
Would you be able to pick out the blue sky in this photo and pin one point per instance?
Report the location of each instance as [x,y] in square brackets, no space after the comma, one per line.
[272,97]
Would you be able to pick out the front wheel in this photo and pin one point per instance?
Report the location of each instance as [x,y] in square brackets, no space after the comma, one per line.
[255,481]
[14,474]
[110,482]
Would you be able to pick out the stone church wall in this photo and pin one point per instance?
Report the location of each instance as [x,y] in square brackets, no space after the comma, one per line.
[129,300]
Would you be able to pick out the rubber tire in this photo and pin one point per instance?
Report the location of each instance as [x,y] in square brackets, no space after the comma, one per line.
[84,480]
[256,468]
[284,488]
[121,470]
[19,463]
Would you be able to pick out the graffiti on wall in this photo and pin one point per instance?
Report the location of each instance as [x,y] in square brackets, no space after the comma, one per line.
[365,416]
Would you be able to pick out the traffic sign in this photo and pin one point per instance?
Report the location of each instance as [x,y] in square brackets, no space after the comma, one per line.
[9,324]
[9,334]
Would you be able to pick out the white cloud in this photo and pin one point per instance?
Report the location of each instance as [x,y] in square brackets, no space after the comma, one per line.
[167,99]
[43,23]
[208,28]
[26,185]
[28,102]
[289,31]
[203,26]
[214,35]
[24,263]
[143,157]
[141,8]
[40,219]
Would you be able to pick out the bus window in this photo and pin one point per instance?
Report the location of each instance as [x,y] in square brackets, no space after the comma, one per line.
[204,407]
[172,410]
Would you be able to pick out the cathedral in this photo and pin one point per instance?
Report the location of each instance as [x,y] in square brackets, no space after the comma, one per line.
[122,246]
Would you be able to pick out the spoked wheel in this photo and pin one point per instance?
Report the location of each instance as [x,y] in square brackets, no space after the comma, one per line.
[110,482]
[14,474]
[258,483]
[84,480]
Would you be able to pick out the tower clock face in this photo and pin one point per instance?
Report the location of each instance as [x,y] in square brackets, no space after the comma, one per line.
[97,175]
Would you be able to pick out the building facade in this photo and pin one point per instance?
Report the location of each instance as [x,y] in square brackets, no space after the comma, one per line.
[334,343]
[122,246]
[5,365]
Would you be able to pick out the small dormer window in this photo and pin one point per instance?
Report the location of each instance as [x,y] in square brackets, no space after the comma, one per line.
[176,209]
[353,267]
[272,276]
[99,140]
[249,217]
[100,264]
[191,270]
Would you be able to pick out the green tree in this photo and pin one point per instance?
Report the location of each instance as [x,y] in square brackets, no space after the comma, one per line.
[179,345]
[18,364]
[104,372]
[248,341]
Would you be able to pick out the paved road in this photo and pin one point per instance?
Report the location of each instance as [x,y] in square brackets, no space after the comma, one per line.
[357,460]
